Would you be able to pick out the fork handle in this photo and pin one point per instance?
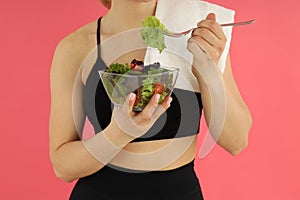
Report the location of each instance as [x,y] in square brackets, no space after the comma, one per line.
[239,23]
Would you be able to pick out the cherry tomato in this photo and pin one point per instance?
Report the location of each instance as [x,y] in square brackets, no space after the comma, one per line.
[158,88]
[137,68]
[132,65]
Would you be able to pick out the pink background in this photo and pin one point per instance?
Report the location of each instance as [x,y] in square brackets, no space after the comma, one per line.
[264,61]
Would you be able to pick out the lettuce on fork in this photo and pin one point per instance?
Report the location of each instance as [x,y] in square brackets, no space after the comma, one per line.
[151,33]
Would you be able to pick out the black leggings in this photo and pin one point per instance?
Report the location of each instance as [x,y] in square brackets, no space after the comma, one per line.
[112,184]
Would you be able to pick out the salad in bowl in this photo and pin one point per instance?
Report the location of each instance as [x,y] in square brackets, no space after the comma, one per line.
[144,80]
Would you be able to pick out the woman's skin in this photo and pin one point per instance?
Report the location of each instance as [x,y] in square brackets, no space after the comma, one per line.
[69,155]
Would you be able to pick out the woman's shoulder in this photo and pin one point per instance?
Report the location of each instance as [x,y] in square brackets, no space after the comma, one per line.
[81,38]
[72,49]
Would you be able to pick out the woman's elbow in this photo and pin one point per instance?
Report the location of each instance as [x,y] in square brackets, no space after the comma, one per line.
[60,172]
[242,142]
[237,148]
[62,176]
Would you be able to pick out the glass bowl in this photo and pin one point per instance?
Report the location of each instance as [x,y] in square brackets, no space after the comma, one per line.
[144,85]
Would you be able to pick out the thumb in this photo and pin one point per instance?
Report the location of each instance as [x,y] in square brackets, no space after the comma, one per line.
[194,48]
[211,16]
[201,58]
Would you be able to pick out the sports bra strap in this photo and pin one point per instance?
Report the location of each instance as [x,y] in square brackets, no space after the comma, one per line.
[99,65]
[99,37]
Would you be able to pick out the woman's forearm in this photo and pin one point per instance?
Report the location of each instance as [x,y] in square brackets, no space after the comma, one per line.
[225,112]
[237,119]
[77,159]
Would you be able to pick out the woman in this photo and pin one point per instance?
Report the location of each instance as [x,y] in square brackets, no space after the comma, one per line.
[103,163]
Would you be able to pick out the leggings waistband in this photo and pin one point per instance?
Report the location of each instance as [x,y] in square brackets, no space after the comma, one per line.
[118,169]
[115,184]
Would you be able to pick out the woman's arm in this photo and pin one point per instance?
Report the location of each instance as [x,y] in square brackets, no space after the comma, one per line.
[210,38]
[69,156]
[72,158]
[237,121]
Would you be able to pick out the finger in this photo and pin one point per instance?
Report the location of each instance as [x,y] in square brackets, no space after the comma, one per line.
[214,27]
[167,102]
[206,47]
[195,49]
[211,16]
[128,105]
[161,108]
[210,37]
[149,109]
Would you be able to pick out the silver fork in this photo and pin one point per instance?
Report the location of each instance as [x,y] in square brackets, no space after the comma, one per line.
[172,34]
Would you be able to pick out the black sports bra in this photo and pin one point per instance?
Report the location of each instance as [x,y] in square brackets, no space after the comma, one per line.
[181,119]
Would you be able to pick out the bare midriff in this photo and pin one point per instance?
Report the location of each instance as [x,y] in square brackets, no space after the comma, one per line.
[165,154]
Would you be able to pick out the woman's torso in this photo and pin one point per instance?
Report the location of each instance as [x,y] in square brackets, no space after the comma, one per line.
[185,147]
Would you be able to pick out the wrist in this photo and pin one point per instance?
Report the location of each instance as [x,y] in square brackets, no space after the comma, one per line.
[117,136]
[207,76]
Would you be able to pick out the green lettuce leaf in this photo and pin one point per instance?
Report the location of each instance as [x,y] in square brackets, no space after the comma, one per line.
[151,33]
